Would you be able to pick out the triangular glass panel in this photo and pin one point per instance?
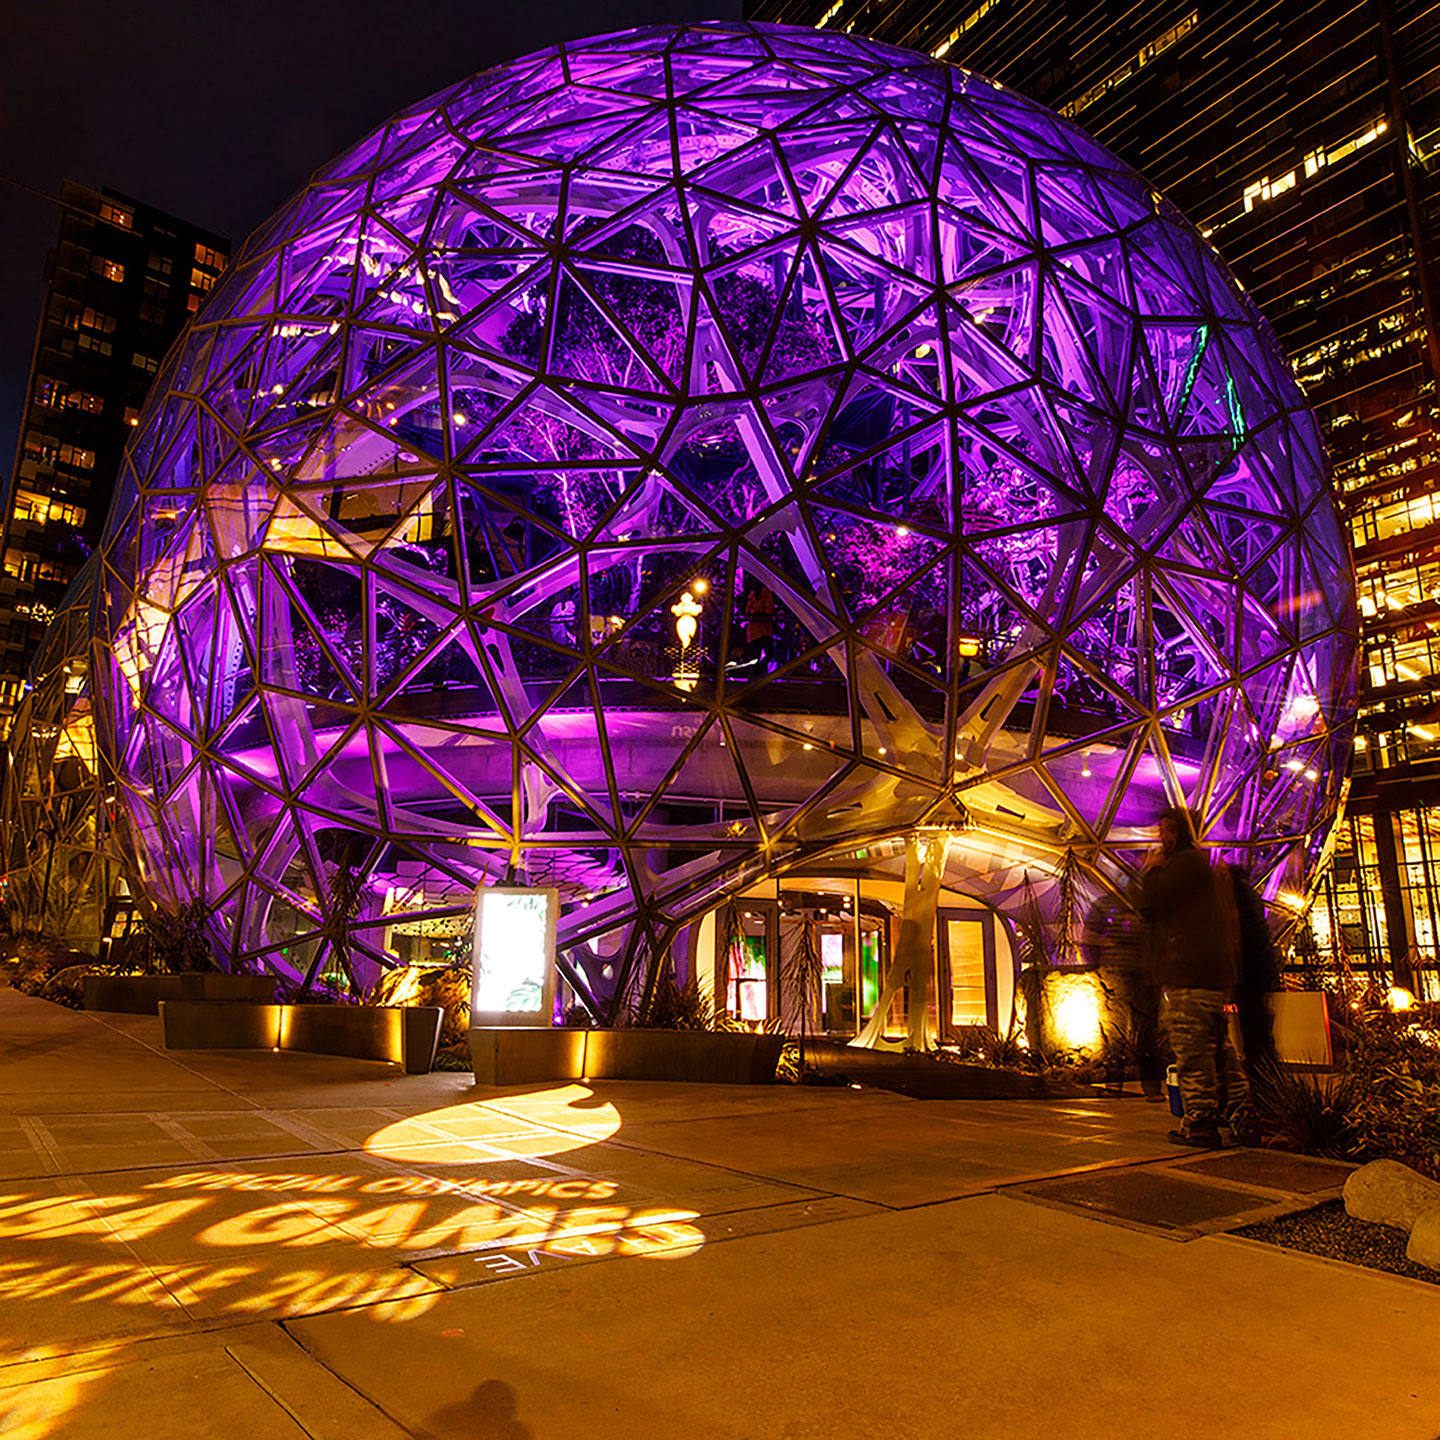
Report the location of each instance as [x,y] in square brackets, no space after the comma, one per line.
[906,482]
[786,769]
[1064,190]
[714,471]
[990,187]
[870,560]
[589,343]
[871,297]
[700,773]
[1150,786]
[652,508]
[1155,287]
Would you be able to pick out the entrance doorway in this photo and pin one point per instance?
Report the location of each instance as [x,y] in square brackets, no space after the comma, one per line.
[969,976]
[852,925]
[751,973]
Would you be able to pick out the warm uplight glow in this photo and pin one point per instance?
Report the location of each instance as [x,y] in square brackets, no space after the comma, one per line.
[1400,998]
[1077,1016]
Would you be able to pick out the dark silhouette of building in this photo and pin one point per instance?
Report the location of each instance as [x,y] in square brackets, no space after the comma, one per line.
[121,283]
[1303,138]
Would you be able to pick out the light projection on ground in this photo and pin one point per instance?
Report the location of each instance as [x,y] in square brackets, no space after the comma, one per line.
[466,1193]
[681,456]
[513,965]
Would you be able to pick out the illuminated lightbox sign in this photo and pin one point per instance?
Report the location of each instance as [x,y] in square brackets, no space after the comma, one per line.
[513,980]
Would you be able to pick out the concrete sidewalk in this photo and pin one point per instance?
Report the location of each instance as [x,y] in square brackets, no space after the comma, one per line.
[280,1245]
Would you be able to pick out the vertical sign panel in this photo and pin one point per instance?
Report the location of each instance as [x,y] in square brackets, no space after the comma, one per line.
[513,979]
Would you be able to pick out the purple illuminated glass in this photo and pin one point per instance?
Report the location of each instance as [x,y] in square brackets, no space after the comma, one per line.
[992,500]
[63,855]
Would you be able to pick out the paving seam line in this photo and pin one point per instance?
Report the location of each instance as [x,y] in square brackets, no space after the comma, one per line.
[115,1237]
[219,1159]
[354,1389]
[193,1332]
[998,1187]
[1428,1286]
[286,1120]
[572,1261]
[498,1107]
[425,1256]
[41,1141]
[985,1189]
[176,1131]
[168,1055]
[636,1149]
[266,1388]
[285,1405]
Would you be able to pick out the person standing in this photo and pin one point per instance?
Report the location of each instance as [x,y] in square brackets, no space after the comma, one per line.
[1191,909]
[1259,977]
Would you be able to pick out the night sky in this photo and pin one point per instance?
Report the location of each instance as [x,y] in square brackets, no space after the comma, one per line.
[218,113]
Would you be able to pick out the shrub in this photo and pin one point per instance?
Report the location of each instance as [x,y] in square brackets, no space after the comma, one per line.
[1382,1102]
[1396,1067]
[176,942]
[1310,1114]
[671,1006]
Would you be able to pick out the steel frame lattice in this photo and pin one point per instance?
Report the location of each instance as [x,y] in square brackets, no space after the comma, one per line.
[990,495]
[63,855]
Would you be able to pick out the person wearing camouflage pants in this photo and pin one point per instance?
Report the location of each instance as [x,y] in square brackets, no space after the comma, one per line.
[1194,932]
[1212,1080]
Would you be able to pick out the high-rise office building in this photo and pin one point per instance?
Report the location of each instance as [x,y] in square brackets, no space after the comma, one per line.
[121,283]
[1303,138]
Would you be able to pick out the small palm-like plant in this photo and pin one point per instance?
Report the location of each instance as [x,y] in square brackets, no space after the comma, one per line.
[1311,1114]
[345,888]
[803,972]
[175,940]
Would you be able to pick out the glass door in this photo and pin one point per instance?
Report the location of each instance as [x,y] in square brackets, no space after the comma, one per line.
[968,987]
[751,964]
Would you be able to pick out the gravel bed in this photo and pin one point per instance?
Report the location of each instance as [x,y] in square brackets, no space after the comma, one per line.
[1327,1230]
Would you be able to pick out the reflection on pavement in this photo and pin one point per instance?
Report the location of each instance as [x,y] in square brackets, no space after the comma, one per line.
[32,1412]
[286,1238]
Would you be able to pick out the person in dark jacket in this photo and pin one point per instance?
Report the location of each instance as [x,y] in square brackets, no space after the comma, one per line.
[1191,909]
[1259,976]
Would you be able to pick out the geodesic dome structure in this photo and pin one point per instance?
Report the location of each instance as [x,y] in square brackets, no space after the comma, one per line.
[64,860]
[681,456]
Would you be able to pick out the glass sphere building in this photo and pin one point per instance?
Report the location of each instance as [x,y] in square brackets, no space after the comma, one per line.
[686,459]
[65,860]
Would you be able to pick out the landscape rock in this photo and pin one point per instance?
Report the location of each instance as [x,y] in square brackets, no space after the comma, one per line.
[1389,1193]
[36,966]
[66,987]
[447,987]
[1424,1246]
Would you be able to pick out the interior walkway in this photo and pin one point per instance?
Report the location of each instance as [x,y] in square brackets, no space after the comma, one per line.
[279,1245]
